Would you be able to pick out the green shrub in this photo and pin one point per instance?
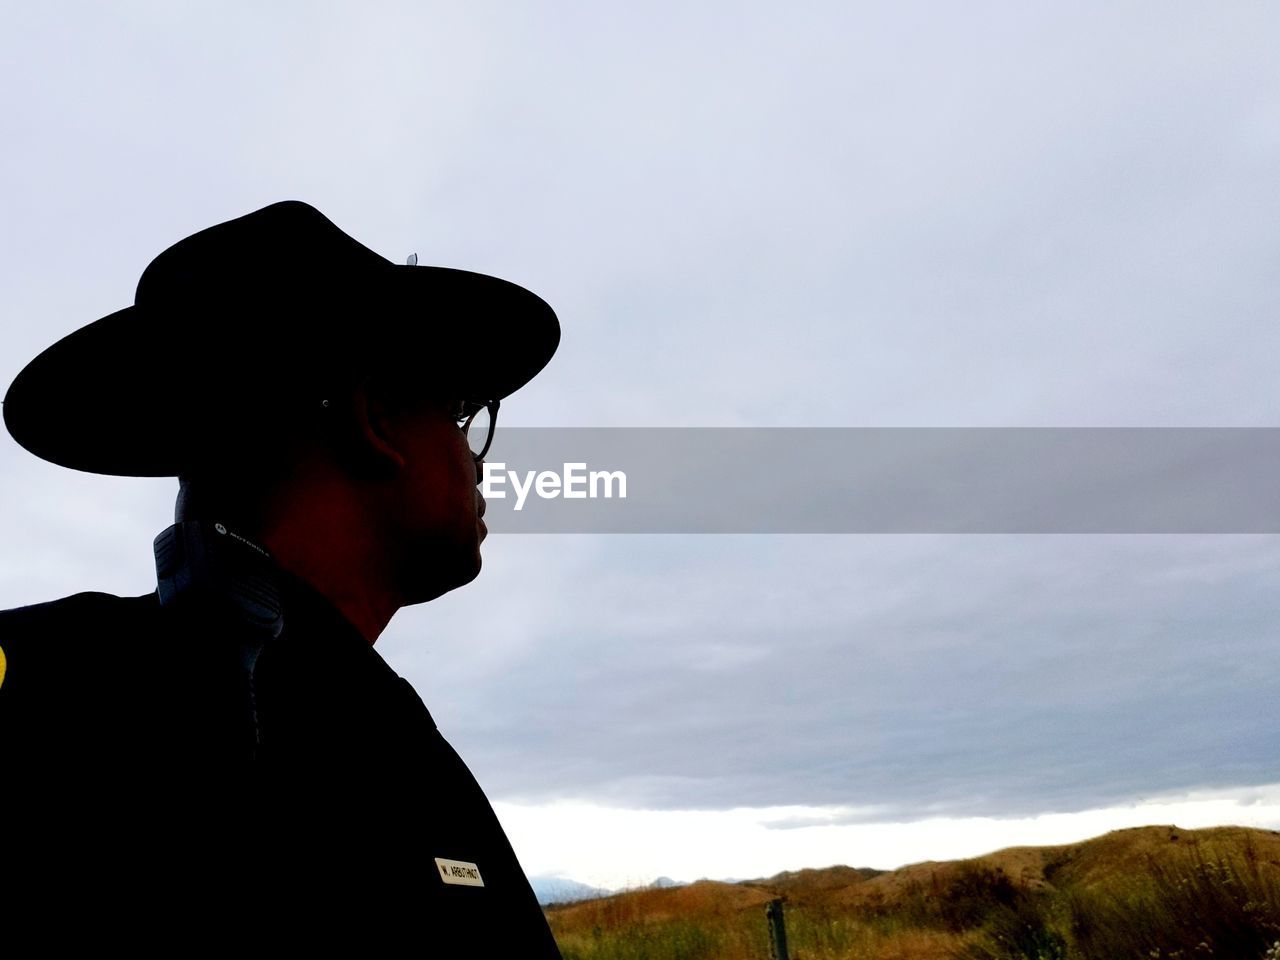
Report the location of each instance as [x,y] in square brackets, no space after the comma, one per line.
[959,900]
[1018,932]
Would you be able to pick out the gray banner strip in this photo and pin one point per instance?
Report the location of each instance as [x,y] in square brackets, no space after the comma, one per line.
[892,480]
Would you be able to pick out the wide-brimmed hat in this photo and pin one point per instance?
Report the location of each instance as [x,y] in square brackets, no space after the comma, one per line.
[265,313]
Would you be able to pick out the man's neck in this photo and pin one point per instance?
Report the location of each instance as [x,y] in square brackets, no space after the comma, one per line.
[342,566]
[333,550]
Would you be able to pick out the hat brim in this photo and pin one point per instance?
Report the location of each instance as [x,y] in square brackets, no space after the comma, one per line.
[128,394]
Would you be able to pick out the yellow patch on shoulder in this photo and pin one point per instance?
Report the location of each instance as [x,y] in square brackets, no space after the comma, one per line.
[3,663]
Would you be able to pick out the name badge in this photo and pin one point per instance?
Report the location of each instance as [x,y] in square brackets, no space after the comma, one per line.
[460,872]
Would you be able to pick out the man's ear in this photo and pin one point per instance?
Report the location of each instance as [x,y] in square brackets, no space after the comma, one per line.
[369,438]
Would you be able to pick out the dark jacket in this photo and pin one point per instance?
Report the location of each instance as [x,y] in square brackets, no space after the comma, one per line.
[120,732]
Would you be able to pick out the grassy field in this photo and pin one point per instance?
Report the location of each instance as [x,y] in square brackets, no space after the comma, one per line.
[1150,893]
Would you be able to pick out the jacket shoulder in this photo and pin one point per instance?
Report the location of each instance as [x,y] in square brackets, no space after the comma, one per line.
[80,605]
[59,624]
[66,643]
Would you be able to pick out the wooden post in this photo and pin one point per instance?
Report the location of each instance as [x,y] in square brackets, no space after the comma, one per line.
[777,930]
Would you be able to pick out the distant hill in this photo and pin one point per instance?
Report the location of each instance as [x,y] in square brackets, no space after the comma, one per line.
[1146,891]
[1099,862]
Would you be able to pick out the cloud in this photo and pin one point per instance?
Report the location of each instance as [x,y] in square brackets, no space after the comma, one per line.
[919,675]
[627,848]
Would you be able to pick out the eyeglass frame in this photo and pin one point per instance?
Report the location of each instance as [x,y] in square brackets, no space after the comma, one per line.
[464,421]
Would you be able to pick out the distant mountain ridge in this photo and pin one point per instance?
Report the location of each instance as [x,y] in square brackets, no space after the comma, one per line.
[554,890]
[551,890]
[664,883]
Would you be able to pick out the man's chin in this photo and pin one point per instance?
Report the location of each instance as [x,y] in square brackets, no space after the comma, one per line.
[458,575]
[473,569]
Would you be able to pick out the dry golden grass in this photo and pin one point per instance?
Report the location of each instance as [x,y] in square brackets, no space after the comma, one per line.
[925,911]
[705,899]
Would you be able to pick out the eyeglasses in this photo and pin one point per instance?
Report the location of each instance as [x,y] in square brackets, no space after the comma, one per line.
[476,419]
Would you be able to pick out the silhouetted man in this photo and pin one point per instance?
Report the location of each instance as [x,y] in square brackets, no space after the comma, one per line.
[327,414]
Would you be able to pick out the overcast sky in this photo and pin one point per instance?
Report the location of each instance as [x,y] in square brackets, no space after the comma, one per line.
[839,214]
